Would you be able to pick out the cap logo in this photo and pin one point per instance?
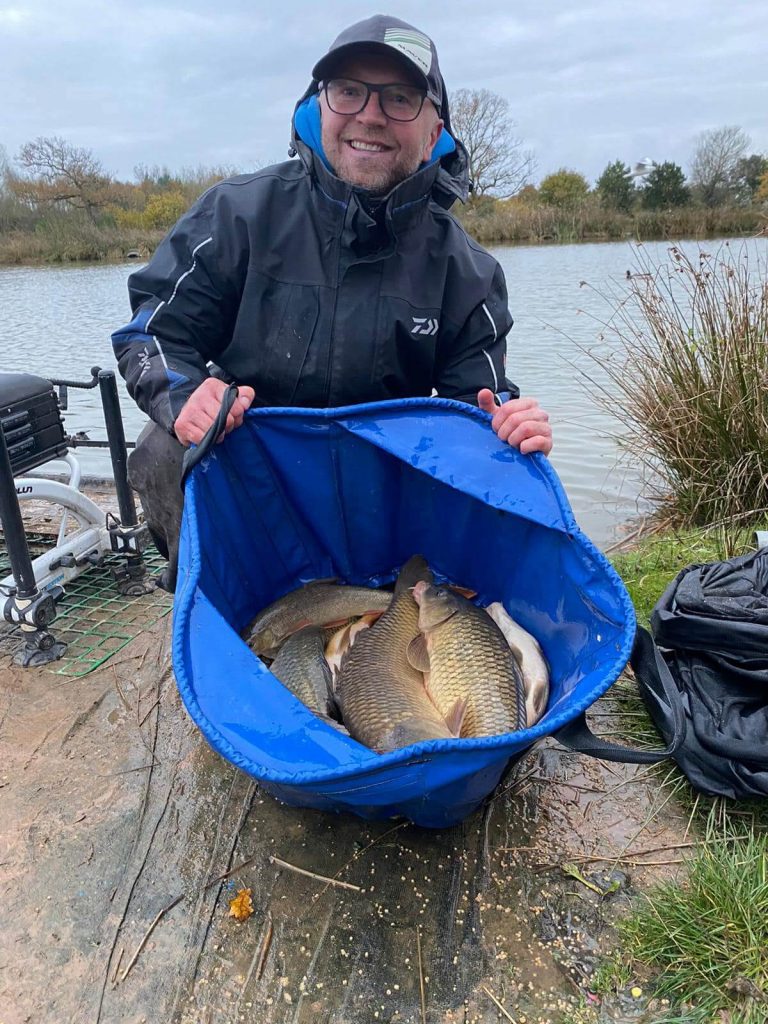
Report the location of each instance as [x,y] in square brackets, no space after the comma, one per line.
[411,44]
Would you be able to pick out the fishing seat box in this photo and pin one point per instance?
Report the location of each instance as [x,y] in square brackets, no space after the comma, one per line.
[31,421]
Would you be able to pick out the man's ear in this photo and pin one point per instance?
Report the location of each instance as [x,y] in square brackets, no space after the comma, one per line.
[434,135]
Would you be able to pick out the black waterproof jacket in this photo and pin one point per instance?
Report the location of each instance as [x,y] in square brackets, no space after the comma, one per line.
[286,281]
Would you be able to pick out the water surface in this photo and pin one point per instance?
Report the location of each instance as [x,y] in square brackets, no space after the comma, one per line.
[57,322]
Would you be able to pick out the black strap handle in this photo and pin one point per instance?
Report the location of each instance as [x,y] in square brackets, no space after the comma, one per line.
[194,455]
[652,672]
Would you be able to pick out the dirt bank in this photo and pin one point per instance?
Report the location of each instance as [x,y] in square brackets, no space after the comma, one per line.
[113,808]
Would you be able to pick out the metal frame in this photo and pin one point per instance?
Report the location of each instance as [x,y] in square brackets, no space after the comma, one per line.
[73,554]
[33,587]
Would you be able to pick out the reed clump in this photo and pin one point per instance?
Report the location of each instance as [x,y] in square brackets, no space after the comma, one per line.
[690,382]
[69,238]
[493,221]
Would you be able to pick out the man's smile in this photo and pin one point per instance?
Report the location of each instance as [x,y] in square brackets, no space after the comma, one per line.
[361,146]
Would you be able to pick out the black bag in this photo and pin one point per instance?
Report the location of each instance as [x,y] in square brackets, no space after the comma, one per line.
[712,626]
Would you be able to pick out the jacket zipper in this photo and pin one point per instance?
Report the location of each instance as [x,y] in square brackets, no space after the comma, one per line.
[337,289]
[329,364]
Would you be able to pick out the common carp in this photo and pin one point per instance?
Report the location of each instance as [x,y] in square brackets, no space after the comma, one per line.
[301,667]
[316,604]
[382,697]
[465,657]
[529,654]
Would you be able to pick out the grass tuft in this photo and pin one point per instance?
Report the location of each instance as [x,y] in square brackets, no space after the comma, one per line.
[708,937]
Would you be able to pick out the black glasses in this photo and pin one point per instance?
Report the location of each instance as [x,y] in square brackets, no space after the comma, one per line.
[398,102]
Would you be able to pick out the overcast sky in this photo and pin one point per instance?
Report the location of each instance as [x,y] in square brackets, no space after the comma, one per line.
[215,83]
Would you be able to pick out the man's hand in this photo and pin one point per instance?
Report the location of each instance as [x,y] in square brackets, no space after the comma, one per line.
[202,408]
[519,422]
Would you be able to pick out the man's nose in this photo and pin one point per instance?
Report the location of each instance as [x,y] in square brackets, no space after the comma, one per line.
[372,112]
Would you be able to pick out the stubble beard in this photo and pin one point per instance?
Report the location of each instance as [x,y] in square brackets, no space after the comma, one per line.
[378,183]
[375,181]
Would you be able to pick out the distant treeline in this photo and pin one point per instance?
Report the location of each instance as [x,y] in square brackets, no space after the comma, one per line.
[58,204]
[522,220]
[727,195]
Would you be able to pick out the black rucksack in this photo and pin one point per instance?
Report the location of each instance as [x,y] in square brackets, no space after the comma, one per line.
[711,624]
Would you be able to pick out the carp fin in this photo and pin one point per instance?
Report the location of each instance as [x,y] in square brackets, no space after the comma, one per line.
[455,717]
[372,616]
[336,623]
[417,653]
[463,591]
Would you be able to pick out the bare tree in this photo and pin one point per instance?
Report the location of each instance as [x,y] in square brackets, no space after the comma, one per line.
[498,164]
[58,173]
[717,153]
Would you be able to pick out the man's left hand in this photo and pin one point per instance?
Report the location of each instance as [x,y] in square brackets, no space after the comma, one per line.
[520,422]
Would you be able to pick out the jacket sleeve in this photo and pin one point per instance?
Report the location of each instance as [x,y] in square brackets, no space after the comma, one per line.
[476,357]
[184,306]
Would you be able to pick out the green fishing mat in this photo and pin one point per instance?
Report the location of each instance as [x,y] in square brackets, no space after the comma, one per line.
[93,619]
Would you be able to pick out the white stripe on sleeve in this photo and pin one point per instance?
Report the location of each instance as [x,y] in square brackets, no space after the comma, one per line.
[493,325]
[493,371]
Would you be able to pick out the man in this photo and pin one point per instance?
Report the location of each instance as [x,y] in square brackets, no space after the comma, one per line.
[333,279]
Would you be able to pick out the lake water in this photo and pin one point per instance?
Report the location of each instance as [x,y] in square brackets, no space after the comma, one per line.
[57,321]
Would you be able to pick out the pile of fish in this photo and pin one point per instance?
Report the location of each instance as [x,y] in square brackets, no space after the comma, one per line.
[393,669]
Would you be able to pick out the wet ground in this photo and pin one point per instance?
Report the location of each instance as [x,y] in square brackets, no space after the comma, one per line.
[125,837]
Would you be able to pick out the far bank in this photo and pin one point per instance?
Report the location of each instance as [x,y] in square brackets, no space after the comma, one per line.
[69,237]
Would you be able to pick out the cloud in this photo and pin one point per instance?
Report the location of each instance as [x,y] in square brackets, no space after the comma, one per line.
[196,83]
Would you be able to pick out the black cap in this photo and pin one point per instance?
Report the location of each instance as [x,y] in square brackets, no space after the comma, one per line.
[384,34]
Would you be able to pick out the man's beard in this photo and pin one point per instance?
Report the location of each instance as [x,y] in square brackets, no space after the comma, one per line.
[374,182]
[386,184]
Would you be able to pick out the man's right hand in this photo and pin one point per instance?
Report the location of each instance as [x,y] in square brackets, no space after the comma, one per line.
[202,408]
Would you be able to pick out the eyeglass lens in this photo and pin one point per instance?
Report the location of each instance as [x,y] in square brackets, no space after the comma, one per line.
[398,102]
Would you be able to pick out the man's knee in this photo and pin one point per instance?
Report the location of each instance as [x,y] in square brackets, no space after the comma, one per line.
[156,460]
[154,472]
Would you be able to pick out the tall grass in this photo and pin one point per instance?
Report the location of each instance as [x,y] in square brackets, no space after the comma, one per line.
[707,939]
[494,221]
[71,237]
[689,382]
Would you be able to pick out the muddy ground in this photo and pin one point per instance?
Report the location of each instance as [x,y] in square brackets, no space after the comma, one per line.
[119,823]
[124,838]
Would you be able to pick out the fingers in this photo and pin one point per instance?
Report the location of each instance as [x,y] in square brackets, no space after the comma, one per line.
[246,396]
[202,407]
[538,439]
[522,423]
[243,401]
[508,415]
[486,400]
[191,424]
